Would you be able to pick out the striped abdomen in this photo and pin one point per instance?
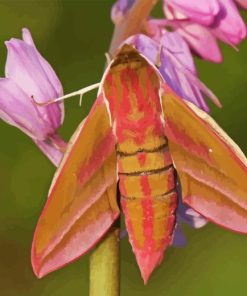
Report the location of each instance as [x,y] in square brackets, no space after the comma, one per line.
[149,200]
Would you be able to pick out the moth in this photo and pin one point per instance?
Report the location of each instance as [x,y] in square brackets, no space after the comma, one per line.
[139,138]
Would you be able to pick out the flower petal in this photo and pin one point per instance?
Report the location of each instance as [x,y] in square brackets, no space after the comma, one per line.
[202,41]
[174,57]
[18,110]
[229,26]
[200,11]
[155,28]
[51,75]
[24,67]
[199,38]
[179,48]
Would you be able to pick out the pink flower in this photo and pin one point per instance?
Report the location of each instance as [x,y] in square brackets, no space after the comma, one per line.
[201,22]
[228,25]
[29,75]
[200,11]
[201,40]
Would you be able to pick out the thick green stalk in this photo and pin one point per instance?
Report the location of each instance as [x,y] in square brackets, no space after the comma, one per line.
[105,266]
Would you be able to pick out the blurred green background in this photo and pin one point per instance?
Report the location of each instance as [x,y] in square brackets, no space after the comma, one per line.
[73,36]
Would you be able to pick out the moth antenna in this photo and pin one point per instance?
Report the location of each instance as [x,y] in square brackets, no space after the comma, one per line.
[80,92]
[108,58]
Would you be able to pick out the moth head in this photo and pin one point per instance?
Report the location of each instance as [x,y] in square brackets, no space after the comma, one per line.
[127,56]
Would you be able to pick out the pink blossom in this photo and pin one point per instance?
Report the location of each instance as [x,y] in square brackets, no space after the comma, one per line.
[200,11]
[225,23]
[228,25]
[201,40]
[200,22]
[29,75]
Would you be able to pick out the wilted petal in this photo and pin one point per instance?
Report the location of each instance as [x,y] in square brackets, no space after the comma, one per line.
[119,9]
[17,109]
[243,3]
[200,11]
[202,41]
[229,26]
[24,67]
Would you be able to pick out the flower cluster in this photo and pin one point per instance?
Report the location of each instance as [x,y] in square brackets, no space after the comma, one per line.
[201,23]
[29,77]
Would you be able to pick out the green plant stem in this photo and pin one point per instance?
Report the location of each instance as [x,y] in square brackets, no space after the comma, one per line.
[105,259]
[105,266]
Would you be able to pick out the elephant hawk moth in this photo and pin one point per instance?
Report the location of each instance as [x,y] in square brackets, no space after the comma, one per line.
[139,137]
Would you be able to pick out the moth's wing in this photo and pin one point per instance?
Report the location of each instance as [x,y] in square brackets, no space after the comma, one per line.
[211,167]
[82,203]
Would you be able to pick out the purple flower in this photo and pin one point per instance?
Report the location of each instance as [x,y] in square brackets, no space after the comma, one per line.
[228,25]
[200,11]
[202,41]
[29,75]
[201,22]
[178,69]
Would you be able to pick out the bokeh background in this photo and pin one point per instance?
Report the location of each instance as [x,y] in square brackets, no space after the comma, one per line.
[73,36]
